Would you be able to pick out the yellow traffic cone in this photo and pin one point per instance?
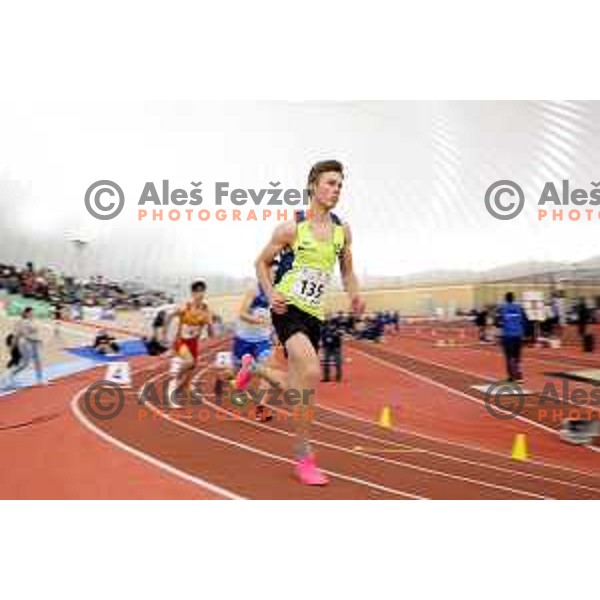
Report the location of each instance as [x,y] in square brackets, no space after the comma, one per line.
[519,449]
[385,418]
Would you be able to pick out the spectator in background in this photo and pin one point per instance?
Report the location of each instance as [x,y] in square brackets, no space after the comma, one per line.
[29,342]
[583,317]
[158,325]
[481,323]
[105,343]
[378,324]
[370,328]
[558,313]
[350,323]
[28,283]
[547,326]
[512,321]
[337,320]
[331,340]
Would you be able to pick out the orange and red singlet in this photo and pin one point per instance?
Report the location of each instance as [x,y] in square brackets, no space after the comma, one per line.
[191,322]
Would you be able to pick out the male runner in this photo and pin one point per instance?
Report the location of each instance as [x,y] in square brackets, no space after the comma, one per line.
[310,246]
[192,317]
[252,343]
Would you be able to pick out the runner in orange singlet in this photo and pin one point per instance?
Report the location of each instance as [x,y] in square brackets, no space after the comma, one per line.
[192,317]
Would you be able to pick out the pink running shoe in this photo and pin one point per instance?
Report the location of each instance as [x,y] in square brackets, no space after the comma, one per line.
[245,373]
[308,472]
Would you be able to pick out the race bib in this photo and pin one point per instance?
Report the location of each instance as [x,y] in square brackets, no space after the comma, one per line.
[224,360]
[310,285]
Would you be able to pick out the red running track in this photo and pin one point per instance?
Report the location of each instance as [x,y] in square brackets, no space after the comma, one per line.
[443,446]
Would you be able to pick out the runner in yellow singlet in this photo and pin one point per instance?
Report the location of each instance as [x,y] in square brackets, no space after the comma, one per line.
[308,250]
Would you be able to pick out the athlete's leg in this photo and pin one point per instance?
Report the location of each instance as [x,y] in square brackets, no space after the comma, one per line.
[257,374]
[181,371]
[338,364]
[37,361]
[303,375]
[224,373]
[225,367]
[187,375]
[326,364]
[272,376]
[257,362]
[26,357]
[267,377]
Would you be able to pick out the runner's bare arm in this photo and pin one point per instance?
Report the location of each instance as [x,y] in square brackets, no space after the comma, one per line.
[168,320]
[244,310]
[349,279]
[283,237]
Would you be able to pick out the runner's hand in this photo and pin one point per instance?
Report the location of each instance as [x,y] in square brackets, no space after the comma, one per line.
[278,303]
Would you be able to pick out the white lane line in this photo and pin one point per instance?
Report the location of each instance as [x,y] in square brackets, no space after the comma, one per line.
[388,442]
[428,380]
[277,457]
[83,420]
[453,367]
[450,457]
[551,360]
[478,401]
[363,454]
[356,417]
[474,374]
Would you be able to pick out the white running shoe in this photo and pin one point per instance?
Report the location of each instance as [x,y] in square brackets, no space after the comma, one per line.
[172,402]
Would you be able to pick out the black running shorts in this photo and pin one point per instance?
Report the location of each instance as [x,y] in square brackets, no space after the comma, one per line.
[295,320]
